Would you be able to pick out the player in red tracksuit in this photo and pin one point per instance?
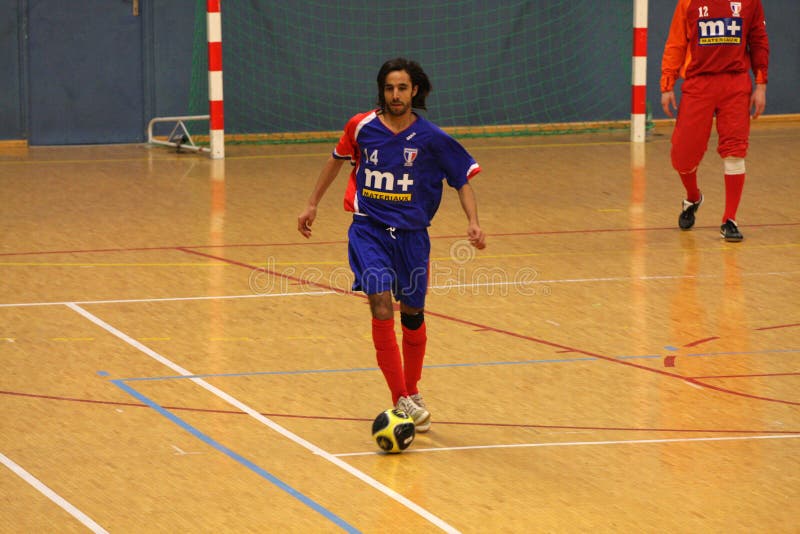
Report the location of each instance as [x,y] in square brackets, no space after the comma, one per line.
[713,45]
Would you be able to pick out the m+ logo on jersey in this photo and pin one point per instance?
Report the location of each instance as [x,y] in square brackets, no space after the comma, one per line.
[381,186]
[725,31]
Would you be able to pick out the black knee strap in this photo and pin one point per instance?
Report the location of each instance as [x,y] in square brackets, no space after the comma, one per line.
[412,322]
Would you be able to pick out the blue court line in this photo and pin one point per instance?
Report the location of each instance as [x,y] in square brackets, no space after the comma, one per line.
[348,370]
[356,369]
[255,373]
[442,365]
[512,362]
[237,457]
[708,354]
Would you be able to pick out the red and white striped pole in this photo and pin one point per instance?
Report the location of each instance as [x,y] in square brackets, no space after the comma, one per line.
[215,101]
[639,72]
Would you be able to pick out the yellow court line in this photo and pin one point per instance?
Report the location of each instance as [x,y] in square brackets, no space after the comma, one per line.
[666,139]
[658,249]
[212,339]
[65,161]
[291,156]
[260,263]
[478,256]
[504,147]
[326,153]
[481,256]
[82,264]
[786,121]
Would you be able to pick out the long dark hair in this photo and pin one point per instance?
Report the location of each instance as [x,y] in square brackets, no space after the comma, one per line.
[418,78]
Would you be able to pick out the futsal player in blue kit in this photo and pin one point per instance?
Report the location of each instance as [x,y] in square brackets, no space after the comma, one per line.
[400,162]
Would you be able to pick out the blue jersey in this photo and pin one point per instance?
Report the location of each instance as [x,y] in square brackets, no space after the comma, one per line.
[398,179]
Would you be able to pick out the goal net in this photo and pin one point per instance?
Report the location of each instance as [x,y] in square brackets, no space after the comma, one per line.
[296,71]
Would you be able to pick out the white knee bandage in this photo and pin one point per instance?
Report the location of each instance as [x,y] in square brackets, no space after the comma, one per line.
[733,165]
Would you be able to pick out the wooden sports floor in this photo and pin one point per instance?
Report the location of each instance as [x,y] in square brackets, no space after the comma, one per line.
[177,358]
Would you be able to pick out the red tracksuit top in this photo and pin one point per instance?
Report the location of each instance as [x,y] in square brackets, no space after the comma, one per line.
[714,37]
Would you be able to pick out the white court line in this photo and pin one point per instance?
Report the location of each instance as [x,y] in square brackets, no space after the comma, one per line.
[578,443]
[432,287]
[604,279]
[170,299]
[50,494]
[268,422]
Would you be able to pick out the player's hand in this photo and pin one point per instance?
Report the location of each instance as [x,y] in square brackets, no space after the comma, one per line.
[476,237]
[758,100]
[668,103]
[305,220]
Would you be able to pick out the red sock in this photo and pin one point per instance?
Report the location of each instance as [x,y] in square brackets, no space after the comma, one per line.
[388,356]
[414,342]
[734,184]
[689,180]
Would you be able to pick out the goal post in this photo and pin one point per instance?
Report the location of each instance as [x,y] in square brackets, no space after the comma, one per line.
[639,72]
[215,100]
[180,137]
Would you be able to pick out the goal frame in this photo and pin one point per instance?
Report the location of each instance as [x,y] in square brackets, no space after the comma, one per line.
[179,137]
[216,115]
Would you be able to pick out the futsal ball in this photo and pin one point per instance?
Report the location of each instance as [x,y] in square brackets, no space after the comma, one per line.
[393,430]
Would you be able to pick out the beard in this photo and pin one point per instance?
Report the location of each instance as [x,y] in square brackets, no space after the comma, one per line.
[397,111]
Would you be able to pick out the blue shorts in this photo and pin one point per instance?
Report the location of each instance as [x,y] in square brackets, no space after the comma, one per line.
[385,259]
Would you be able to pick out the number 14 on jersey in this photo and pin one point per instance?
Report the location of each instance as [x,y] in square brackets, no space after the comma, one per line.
[372,158]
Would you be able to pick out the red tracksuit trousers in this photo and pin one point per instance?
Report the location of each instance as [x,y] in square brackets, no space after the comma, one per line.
[702,97]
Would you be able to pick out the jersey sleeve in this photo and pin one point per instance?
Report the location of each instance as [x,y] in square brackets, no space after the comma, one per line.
[458,165]
[347,148]
[758,44]
[676,50]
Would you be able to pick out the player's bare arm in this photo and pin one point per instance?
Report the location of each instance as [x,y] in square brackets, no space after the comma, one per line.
[668,102]
[326,177]
[475,234]
[758,101]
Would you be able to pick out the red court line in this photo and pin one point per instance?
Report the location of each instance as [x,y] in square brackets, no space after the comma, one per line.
[509,333]
[778,326]
[749,376]
[86,251]
[167,247]
[614,360]
[269,271]
[701,341]
[368,420]
[339,242]
[606,230]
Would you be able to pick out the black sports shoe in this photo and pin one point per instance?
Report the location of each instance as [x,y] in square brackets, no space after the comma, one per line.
[688,209]
[730,231]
